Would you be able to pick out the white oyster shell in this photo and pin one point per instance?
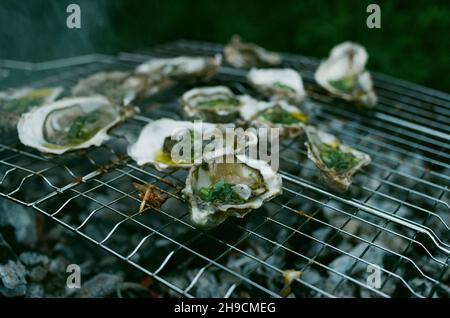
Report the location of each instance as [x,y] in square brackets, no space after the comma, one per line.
[193,104]
[242,174]
[253,114]
[150,142]
[338,181]
[182,67]
[56,119]
[278,84]
[344,75]
[247,55]
[15,102]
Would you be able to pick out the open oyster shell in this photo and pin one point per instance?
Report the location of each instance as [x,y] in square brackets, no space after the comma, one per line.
[247,55]
[337,162]
[343,74]
[290,120]
[215,104]
[13,103]
[155,142]
[69,124]
[219,188]
[278,84]
[180,68]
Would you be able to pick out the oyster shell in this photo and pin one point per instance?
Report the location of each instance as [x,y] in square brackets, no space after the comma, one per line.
[180,68]
[214,104]
[337,162]
[218,189]
[68,124]
[290,120]
[113,85]
[343,74]
[155,143]
[247,55]
[278,84]
[13,103]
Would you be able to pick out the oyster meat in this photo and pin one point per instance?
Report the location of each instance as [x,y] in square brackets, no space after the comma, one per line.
[344,75]
[247,55]
[215,104]
[289,119]
[69,124]
[337,162]
[157,140]
[278,84]
[217,188]
[13,103]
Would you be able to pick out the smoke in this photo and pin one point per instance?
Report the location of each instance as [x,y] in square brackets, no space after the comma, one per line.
[36,30]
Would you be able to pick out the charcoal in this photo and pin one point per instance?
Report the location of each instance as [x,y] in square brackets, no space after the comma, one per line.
[35,291]
[12,273]
[100,286]
[20,219]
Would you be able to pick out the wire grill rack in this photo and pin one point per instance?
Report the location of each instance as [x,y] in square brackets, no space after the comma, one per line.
[394,220]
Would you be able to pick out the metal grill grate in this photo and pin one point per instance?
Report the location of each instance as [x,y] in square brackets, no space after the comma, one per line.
[395,217]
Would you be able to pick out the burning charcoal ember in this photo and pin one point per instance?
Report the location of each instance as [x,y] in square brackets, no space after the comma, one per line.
[12,273]
[20,219]
[289,275]
[36,264]
[100,286]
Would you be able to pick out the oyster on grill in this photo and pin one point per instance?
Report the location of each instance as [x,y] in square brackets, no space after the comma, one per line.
[221,187]
[343,74]
[180,68]
[69,124]
[289,119]
[337,162]
[13,103]
[247,55]
[215,104]
[278,84]
[159,138]
[121,87]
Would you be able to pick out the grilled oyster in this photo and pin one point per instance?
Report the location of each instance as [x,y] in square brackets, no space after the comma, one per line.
[290,120]
[343,74]
[214,104]
[116,85]
[157,140]
[180,68]
[247,55]
[13,103]
[217,188]
[69,124]
[337,162]
[278,84]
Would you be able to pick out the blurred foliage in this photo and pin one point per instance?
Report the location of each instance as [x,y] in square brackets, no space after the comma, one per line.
[412,44]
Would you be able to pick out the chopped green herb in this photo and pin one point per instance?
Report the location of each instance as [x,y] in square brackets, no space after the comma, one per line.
[336,159]
[277,115]
[220,102]
[284,86]
[345,84]
[219,192]
[79,131]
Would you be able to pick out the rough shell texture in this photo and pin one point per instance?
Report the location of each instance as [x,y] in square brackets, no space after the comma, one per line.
[343,74]
[278,84]
[191,100]
[251,114]
[208,214]
[336,181]
[247,55]
[32,125]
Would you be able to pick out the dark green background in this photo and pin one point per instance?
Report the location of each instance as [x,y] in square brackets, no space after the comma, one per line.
[412,44]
